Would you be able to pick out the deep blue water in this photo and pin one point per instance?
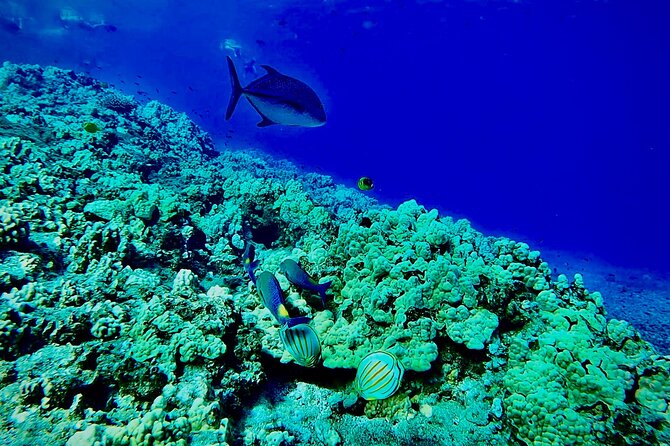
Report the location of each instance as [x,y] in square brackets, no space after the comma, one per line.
[547,121]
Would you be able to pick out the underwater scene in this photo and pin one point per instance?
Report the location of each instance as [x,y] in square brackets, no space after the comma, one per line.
[334,222]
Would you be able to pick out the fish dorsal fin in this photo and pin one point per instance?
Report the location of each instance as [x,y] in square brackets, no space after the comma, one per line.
[270,70]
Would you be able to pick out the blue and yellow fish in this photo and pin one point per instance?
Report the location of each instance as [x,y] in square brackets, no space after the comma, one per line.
[299,277]
[273,299]
[249,263]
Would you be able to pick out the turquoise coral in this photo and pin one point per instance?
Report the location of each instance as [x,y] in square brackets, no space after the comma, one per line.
[134,288]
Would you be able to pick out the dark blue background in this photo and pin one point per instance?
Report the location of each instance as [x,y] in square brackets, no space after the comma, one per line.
[547,121]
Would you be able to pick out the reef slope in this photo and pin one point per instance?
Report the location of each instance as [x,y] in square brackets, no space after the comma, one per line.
[126,316]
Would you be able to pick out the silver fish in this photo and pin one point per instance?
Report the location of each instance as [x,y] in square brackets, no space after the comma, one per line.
[279,99]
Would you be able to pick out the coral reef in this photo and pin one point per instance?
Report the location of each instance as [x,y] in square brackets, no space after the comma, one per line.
[126,315]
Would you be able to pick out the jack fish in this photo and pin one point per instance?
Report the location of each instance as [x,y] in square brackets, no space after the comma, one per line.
[279,99]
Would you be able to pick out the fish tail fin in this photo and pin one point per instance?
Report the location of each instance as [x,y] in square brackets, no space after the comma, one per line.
[322,288]
[251,268]
[293,321]
[237,89]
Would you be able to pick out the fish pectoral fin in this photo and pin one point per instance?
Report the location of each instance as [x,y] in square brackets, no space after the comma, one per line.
[265,122]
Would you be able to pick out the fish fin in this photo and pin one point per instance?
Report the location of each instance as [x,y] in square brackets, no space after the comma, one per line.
[282,311]
[265,122]
[269,69]
[292,322]
[250,271]
[237,89]
[322,288]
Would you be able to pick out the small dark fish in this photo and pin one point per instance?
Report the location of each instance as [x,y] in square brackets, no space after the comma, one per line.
[260,42]
[173,92]
[273,299]
[249,263]
[91,127]
[190,88]
[136,83]
[299,277]
[279,99]
[137,75]
[365,183]
[157,90]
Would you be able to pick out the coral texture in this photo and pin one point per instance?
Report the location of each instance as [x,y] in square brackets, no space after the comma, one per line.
[126,315]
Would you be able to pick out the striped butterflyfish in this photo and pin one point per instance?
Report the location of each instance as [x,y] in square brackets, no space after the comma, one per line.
[302,342]
[378,376]
[365,183]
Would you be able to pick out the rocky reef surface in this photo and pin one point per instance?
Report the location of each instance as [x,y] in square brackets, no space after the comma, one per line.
[126,316]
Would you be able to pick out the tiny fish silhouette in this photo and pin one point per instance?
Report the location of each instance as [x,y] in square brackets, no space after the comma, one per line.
[279,99]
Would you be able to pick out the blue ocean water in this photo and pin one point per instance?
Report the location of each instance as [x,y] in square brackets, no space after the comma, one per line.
[543,121]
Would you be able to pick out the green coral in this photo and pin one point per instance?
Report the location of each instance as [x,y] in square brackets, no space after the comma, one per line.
[653,393]
[133,288]
[13,229]
[409,265]
[473,328]
[568,369]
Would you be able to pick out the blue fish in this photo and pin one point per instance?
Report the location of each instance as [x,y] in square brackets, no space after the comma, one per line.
[249,263]
[279,99]
[299,277]
[273,299]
